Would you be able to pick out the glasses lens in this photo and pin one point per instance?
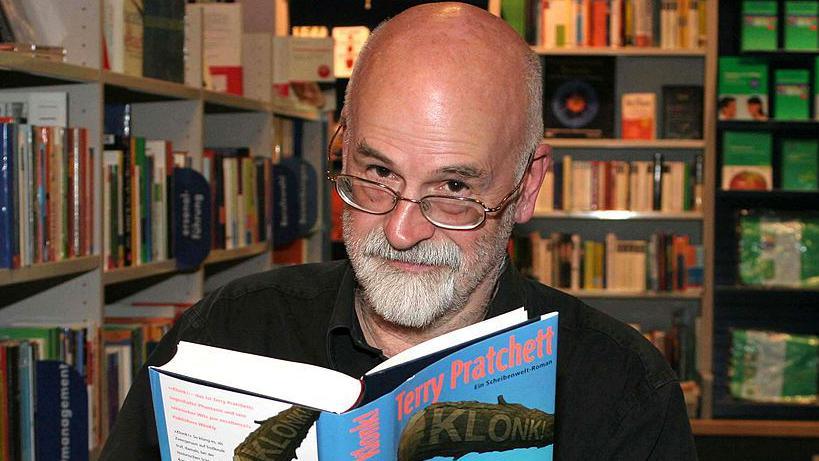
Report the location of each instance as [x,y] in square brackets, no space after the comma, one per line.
[365,195]
[453,213]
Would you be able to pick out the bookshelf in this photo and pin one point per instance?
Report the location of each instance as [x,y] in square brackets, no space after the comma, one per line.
[621,215]
[79,290]
[619,51]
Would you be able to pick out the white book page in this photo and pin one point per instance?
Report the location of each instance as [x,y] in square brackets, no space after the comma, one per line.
[307,385]
[454,338]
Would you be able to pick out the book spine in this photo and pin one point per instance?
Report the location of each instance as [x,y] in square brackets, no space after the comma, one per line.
[7,141]
[657,182]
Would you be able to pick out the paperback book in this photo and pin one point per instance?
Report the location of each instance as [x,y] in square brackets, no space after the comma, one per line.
[468,392]
[746,160]
[638,116]
[799,164]
[682,112]
[743,88]
[801,26]
[792,93]
[759,26]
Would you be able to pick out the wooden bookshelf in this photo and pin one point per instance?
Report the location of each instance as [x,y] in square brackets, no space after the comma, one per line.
[284,109]
[613,294]
[627,51]
[129,274]
[218,256]
[755,428]
[48,270]
[59,71]
[151,88]
[216,102]
[609,143]
[621,215]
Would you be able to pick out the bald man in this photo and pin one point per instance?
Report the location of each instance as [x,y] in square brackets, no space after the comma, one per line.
[441,141]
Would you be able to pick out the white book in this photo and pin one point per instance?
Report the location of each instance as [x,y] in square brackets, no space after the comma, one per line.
[194,22]
[114,33]
[158,151]
[546,197]
[616,23]
[222,45]
[581,185]
[621,185]
[577,252]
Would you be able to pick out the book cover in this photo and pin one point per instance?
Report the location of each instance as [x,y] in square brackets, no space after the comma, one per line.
[579,97]
[791,94]
[746,160]
[682,112]
[134,31]
[778,250]
[743,88]
[638,116]
[801,26]
[7,142]
[800,164]
[473,384]
[816,89]
[163,40]
[222,47]
[759,26]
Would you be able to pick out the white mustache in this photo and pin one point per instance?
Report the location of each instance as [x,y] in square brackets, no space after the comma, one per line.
[446,254]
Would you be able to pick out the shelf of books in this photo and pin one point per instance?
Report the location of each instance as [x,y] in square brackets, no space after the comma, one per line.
[149,88]
[216,101]
[619,215]
[48,270]
[25,66]
[610,143]
[765,249]
[222,255]
[632,51]
[127,274]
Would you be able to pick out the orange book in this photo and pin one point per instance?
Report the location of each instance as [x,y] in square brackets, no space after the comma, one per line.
[599,23]
[638,116]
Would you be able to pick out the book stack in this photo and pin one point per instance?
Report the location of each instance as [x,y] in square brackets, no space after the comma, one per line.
[594,185]
[48,393]
[240,188]
[669,24]
[46,191]
[665,263]
[137,181]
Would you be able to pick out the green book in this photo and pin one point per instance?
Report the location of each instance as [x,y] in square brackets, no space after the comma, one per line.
[47,339]
[800,163]
[514,13]
[759,26]
[743,88]
[746,160]
[800,26]
[816,89]
[791,94]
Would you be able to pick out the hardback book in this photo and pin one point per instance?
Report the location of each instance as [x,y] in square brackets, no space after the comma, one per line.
[579,97]
[759,26]
[220,25]
[743,88]
[799,164]
[465,392]
[682,112]
[801,25]
[638,116]
[791,94]
[746,160]
[163,40]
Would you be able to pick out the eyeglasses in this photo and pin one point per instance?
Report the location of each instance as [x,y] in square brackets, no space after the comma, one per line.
[446,212]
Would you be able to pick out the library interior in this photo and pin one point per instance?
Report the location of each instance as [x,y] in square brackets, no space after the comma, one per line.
[153,152]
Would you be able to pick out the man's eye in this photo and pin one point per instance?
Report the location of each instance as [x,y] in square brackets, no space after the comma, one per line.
[380,171]
[456,187]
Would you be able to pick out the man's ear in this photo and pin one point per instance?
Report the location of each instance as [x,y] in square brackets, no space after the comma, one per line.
[533,182]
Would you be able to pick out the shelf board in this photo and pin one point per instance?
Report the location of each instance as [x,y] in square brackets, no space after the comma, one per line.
[217,102]
[48,270]
[580,143]
[755,428]
[800,126]
[621,215]
[59,72]
[620,51]
[127,274]
[285,109]
[691,294]
[149,89]
[766,289]
[218,256]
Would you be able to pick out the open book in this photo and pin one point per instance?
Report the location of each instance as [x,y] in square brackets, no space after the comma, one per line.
[483,392]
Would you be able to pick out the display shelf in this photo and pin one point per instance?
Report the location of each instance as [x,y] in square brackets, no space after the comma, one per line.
[609,143]
[218,256]
[128,88]
[129,274]
[217,102]
[690,294]
[286,110]
[786,126]
[19,69]
[48,270]
[788,291]
[755,428]
[620,215]
[628,51]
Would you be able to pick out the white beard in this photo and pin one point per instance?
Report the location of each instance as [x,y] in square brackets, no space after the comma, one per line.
[416,300]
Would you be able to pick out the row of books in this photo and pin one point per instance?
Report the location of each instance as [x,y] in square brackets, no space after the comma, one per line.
[46,193]
[241,188]
[592,185]
[747,162]
[744,90]
[681,113]
[761,28]
[609,23]
[666,262]
[48,377]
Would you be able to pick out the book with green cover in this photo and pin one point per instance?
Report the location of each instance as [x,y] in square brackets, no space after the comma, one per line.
[746,160]
[800,25]
[792,90]
[743,88]
[779,250]
[800,162]
[759,26]
[816,89]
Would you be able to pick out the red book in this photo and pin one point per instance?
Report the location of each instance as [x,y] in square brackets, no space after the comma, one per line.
[599,22]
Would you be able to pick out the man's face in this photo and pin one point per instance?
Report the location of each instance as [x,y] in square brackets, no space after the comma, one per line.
[412,272]
[730,109]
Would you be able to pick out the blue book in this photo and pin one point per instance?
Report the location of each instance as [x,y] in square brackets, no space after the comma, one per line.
[484,392]
[27,385]
[7,225]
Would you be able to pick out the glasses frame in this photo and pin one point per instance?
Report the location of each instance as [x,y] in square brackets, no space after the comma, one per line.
[398,197]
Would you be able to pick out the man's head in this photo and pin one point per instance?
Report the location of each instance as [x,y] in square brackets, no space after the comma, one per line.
[445,99]
[727,107]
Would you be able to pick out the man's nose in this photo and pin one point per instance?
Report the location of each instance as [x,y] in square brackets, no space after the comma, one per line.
[406,225]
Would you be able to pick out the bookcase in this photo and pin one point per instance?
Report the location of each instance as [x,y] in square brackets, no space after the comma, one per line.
[79,291]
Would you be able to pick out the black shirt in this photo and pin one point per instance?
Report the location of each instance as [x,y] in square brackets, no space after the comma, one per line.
[617,398]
